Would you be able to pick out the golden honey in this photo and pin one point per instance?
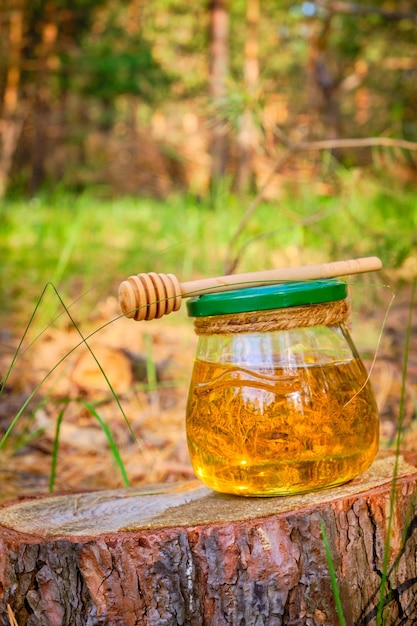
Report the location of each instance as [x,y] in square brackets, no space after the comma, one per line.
[280,432]
[279,402]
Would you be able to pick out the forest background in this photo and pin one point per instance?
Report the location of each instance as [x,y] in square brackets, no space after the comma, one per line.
[153,97]
[196,138]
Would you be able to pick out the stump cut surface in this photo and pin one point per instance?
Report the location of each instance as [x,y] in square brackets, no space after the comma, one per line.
[183,555]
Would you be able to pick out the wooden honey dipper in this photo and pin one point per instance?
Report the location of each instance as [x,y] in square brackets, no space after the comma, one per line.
[150,296]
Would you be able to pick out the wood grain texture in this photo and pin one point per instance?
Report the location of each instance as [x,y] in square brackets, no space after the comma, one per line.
[183,555]
[149,296]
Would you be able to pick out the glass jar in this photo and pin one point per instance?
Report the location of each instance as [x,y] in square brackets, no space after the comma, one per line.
[280,401]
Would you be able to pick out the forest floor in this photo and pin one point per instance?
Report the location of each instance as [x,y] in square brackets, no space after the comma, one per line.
[149,366]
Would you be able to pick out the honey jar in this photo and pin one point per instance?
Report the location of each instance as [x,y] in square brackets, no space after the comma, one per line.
[279,402]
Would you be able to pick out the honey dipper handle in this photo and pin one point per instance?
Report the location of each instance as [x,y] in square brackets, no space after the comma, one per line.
[306,272]
[149,296]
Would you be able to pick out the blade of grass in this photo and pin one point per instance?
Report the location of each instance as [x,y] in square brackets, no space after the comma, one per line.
[84,341]
[71,237]
[16,354]
[112,444]
[381,332]
[151,372]
[385,572]
[54,460]
[38,386]
[24,440]
[333,578]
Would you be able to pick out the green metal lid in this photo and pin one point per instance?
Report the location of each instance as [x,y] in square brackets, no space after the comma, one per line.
[267,297]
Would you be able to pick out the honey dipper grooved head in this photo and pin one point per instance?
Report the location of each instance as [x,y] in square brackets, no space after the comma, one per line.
[149,296]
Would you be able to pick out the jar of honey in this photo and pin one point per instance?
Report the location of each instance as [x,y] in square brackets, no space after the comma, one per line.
[280,401]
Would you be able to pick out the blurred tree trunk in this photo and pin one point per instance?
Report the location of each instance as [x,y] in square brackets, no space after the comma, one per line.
[322,84]
[219,71]
[11,122]
[133,27]
[49,32]
[248,136]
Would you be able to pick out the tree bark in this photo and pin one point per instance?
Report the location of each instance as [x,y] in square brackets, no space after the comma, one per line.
[183,555]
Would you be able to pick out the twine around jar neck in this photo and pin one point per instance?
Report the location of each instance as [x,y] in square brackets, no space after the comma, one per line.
[324,313]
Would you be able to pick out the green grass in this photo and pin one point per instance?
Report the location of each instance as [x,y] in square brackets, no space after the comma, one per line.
[332,574]
[84,245]
[387,552]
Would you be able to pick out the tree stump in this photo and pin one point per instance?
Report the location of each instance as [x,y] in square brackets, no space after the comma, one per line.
[180,554]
